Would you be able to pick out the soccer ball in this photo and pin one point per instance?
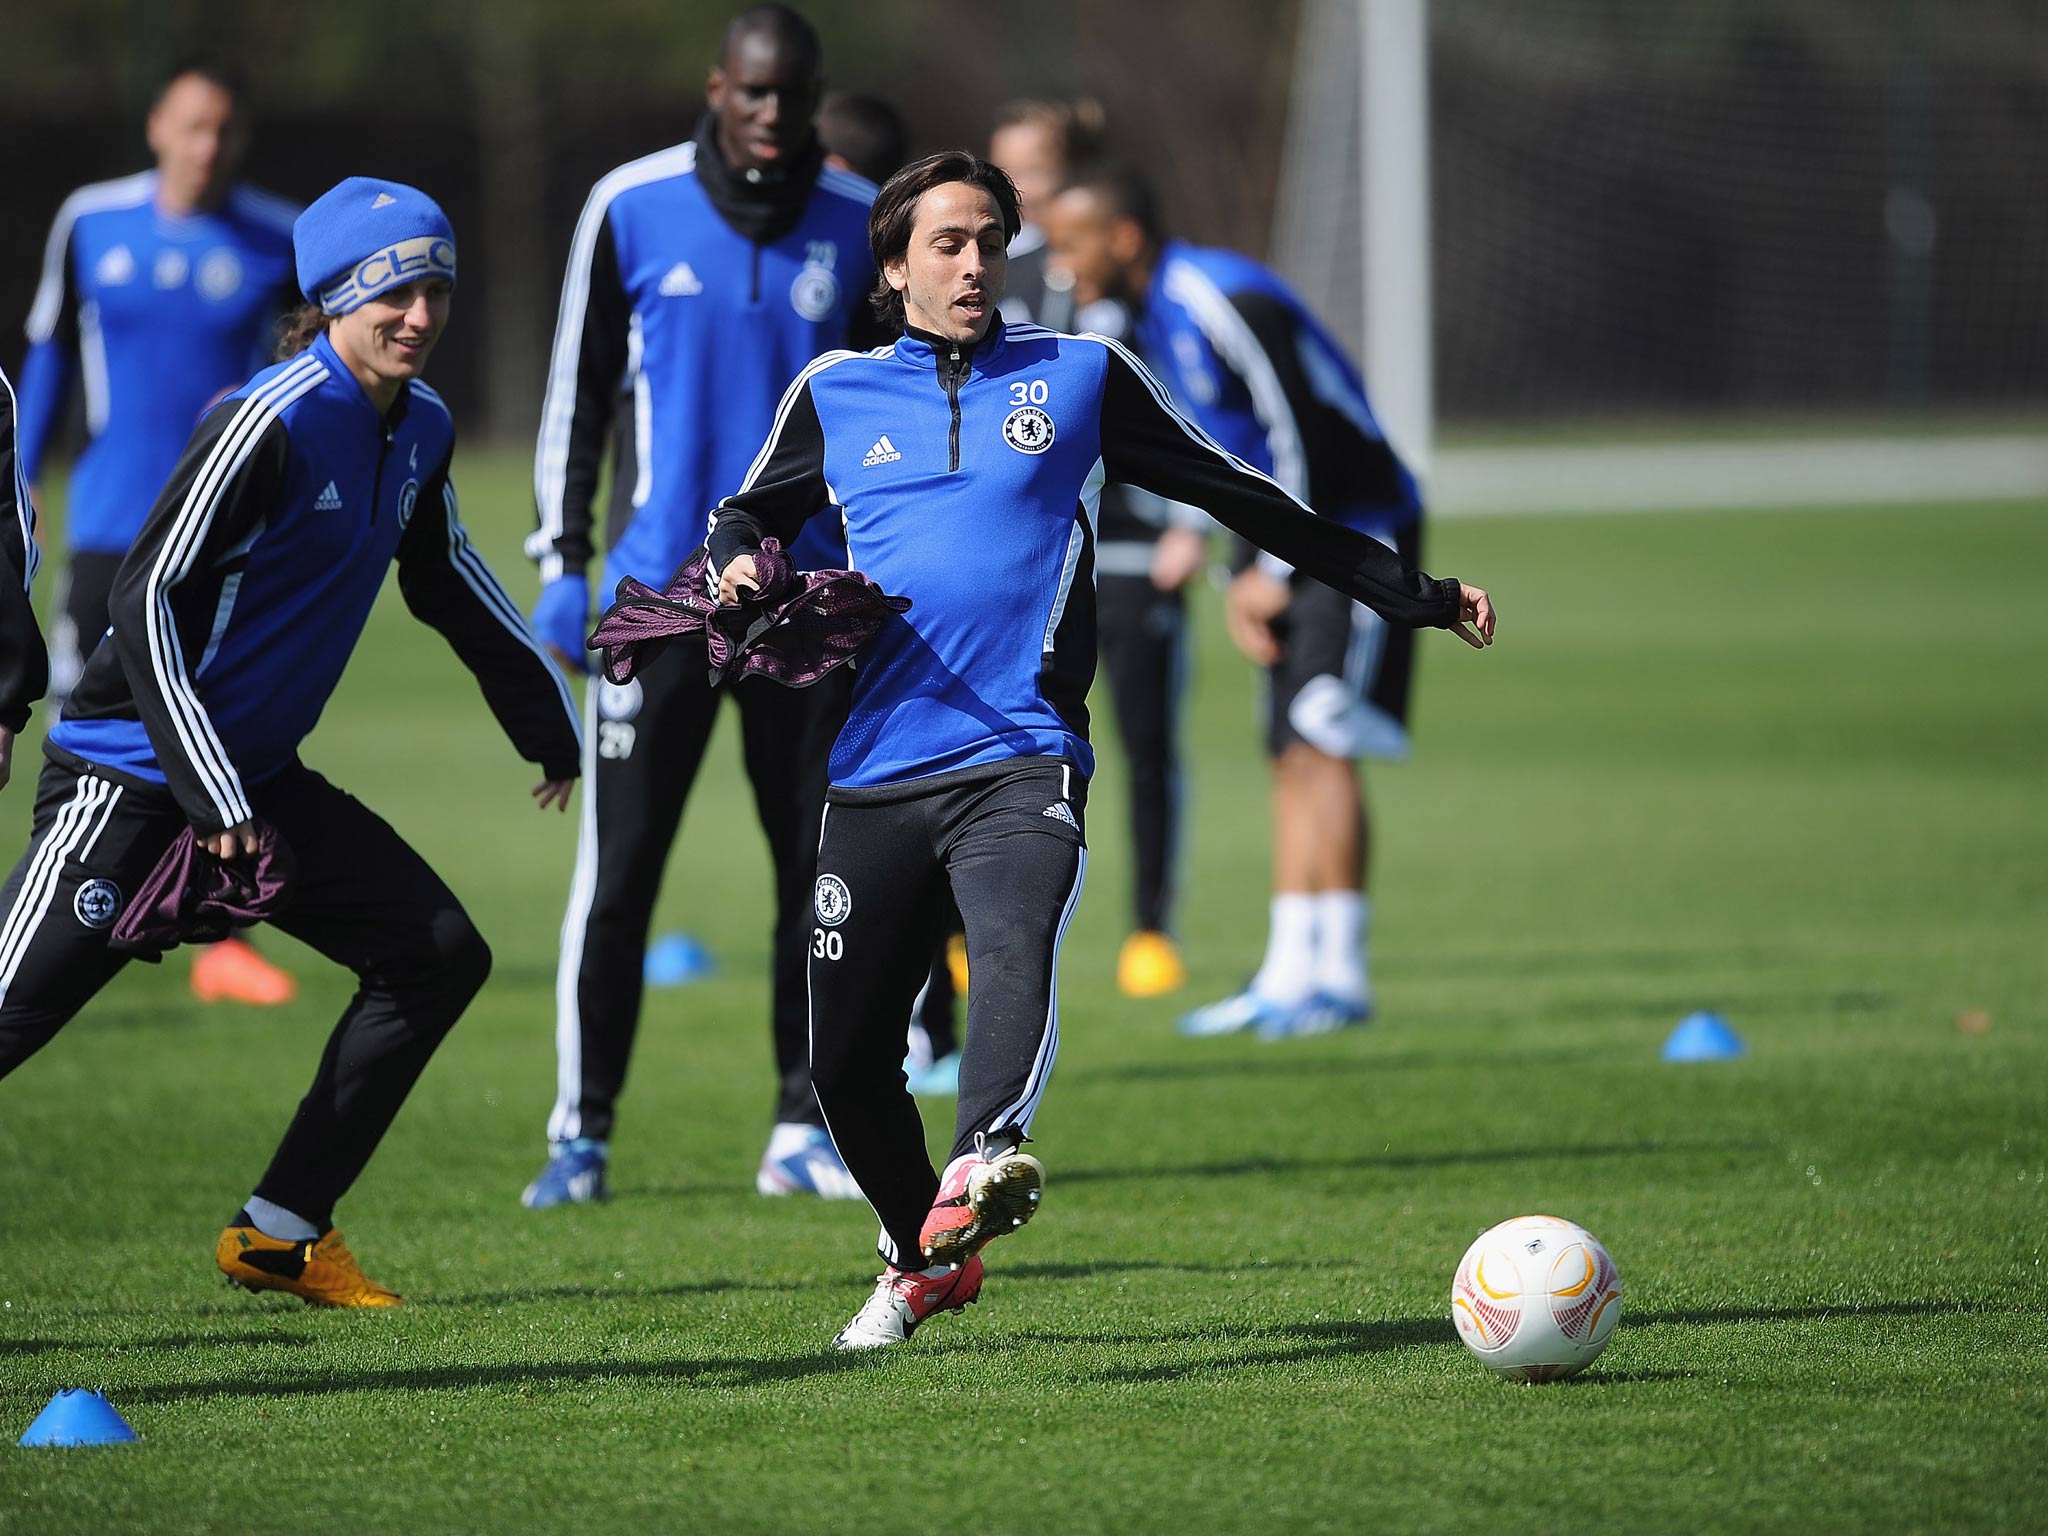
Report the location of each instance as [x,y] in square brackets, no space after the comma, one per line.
[1536,1299]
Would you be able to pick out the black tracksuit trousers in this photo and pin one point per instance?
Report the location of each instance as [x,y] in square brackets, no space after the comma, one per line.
[1006,843]
[643,745]
[1143,635]
[363,898]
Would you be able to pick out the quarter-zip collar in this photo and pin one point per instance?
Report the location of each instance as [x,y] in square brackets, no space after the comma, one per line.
[353,388]
[952,360]
[953,363]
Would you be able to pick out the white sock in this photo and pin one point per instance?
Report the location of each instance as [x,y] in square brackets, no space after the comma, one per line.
[1287,975]
[275,1221]
[1343,925]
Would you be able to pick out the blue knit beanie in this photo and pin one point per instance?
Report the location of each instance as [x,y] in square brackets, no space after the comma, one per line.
[364,236]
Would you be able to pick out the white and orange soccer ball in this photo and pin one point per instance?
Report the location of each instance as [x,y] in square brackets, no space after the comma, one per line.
[1536,1298]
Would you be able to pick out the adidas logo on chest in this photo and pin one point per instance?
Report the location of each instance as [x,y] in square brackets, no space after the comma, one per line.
[328,500]
[680,282]
[884,452]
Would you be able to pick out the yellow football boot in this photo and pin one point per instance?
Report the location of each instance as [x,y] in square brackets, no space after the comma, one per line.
[956,964]
[1149,965]
[321,1274]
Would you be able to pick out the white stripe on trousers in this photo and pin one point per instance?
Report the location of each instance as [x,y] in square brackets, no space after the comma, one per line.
[566,1122]
[1019,1114]
[96,798]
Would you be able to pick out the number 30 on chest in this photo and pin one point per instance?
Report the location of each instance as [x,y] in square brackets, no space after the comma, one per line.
[1033,393]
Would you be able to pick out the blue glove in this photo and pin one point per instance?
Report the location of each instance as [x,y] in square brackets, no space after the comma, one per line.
[562,618]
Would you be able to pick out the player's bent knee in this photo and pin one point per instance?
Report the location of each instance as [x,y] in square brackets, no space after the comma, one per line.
[461,958]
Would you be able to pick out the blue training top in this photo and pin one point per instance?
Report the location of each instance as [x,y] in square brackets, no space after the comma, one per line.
[1246,359]
[968,477]
[158,316]
[704,327]
[244,596]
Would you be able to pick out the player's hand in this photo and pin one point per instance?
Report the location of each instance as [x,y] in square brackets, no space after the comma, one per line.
[239,841]
[553,792]
[562,620]
[1178,558]
[1250,605]
[6,756]
[1475,613]
[738,576]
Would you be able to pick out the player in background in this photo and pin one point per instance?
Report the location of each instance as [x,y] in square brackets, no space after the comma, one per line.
[962,772]
[160,292]
[862,134]
[24,664]
[705,277]
[1149,549]
[1245,358]
[234,616]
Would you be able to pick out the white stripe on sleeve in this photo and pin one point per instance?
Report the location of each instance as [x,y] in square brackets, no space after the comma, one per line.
[196,735]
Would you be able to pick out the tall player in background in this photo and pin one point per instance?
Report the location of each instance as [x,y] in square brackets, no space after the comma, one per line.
[24,664]
[1148,548]
[705,277]
[160,292]
[1245,358]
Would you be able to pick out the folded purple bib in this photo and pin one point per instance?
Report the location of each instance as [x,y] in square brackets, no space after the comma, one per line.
[799,626]
[192,897]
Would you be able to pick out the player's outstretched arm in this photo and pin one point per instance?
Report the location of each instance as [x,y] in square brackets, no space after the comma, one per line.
[1146,442]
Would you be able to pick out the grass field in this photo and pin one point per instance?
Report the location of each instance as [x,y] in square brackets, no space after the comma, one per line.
[1788,767]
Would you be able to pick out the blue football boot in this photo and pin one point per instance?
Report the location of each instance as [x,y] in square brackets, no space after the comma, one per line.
[1246,1010]
[574,1176]
[801,1160]
[1323,1014]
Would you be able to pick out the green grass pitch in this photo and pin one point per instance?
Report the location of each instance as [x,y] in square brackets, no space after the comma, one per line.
[1785,766]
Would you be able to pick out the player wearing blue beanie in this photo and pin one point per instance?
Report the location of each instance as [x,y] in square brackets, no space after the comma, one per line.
[234,616]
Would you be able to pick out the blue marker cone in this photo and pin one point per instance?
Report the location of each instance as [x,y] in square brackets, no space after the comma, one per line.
[78,1417]
[676,960]
[1703,1037]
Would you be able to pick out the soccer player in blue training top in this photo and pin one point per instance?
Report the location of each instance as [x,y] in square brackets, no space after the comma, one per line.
[24,664]
[233,617]
[704,276]
[1247,361]
[161,292]
[966,461]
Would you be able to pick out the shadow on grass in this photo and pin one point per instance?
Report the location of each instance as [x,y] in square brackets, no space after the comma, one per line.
[601,1292]
[32,1346]
[1693,1317]
[714,1372]
[160,1341]
[1402,1161]
[1287,1344]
